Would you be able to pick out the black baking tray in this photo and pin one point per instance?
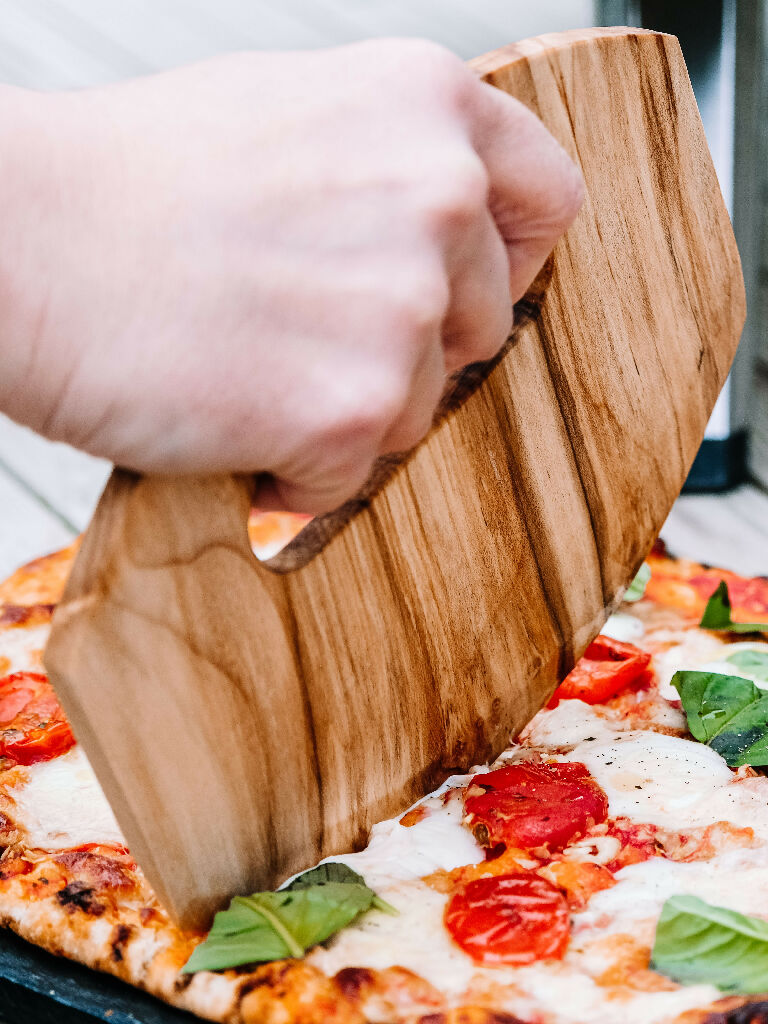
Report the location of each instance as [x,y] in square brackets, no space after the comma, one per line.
[38,988]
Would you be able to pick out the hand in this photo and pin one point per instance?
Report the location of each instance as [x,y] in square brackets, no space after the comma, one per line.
[267,262]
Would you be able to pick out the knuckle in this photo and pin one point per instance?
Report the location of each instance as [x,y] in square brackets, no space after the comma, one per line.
[418,312]
[412,426]
[457,200]
[436,75]
[429,65]
[463,193]
[363,412]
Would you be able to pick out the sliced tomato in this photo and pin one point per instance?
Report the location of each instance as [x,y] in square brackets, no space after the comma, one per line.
[33,726]
[531,806]
[608,667]
[509,919]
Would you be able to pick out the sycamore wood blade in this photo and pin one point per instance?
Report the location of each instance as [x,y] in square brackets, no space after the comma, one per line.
[246,720]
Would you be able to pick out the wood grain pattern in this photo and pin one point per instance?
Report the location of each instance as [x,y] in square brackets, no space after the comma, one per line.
[246,721]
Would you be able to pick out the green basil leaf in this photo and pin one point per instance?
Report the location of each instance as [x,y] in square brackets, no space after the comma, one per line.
[698,943]
[275,925]
[636,588]
[754,662]
[331,871]
[717,614]
[728,713]
[335,871]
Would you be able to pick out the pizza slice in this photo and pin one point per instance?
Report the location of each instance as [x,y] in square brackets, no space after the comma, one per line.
[612,864]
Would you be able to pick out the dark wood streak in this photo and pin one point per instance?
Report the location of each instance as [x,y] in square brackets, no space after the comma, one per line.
[406,623]
[536,539]
[294,634]
[568,406]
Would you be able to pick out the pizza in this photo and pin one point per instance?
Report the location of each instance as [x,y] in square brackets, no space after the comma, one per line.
[611,865]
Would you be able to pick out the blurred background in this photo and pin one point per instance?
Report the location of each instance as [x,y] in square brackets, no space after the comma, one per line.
[48,491]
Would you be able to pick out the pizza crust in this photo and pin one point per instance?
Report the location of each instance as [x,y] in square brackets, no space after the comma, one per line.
[95,907]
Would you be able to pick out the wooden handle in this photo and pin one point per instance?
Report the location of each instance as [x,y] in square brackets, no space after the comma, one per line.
[244,722]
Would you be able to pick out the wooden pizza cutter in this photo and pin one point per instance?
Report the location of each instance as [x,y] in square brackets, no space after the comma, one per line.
[247,719]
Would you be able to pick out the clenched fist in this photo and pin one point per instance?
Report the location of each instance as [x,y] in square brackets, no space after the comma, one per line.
[266,262]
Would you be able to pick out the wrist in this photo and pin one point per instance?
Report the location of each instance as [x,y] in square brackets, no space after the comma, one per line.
[30,190]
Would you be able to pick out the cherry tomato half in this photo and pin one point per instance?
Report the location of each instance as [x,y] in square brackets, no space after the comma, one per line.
[509,919]
[33,726]
[608,667]
[534,805]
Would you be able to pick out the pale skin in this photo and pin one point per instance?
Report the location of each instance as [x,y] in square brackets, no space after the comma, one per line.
[267,262]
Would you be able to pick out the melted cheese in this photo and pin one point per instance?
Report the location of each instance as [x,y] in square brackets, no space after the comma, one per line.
[726,667]
[60,804]
[737,878]
[562,993]
[569,724]
[696,649]
[438,842]
[624,627]
[23,647]
[652,777]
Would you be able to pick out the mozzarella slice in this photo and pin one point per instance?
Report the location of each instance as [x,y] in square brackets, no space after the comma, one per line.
[570,723]
[59,804]
[697,649]
[23,647]
[737,879]
[727,667]
[655,778]
[624,627]
[398,853]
